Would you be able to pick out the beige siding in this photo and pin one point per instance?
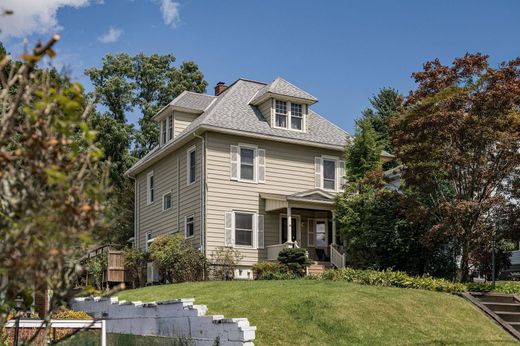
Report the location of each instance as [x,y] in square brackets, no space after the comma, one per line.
[289,169]
[185,199]
[182,120]
[266,110]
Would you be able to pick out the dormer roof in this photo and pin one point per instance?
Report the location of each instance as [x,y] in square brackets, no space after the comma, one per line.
[189,102]
[282,88]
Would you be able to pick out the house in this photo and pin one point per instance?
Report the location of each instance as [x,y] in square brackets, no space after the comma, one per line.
[252,167]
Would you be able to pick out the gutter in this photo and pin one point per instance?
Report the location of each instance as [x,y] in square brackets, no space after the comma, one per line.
[202,198]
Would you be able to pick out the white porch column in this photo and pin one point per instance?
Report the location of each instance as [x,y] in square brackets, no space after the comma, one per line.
[289,225]
[333,227]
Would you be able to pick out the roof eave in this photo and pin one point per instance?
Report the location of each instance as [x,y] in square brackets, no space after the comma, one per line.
[262,98]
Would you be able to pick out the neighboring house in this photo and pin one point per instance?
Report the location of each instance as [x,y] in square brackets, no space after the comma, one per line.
[252,167]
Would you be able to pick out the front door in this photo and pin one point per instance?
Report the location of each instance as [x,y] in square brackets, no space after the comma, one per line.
[294,229]
[321,233]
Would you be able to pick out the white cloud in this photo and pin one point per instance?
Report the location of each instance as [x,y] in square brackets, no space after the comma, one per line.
[170,12]
[33,16]
[111,36]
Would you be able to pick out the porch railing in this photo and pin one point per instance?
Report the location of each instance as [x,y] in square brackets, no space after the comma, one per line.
[337,257]
[274,250]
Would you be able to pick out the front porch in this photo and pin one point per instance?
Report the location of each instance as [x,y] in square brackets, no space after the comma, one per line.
[304,220]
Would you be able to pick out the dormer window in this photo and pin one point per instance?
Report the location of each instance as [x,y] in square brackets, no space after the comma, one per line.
[163,131]
[281,114]
[170,127]
[289,115]
[296,116]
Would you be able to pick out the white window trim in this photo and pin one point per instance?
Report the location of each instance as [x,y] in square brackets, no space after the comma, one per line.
[186,226]
[148,194]
[289,116]
[298,227]
[164,131]
[336,172]
[255,163]
[171,200]
[188,165]
[254,239]
[169,125]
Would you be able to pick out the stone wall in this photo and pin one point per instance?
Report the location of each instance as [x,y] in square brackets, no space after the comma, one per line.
[178,318]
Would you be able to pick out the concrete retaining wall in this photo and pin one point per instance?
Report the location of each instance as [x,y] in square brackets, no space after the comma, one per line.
[173,318]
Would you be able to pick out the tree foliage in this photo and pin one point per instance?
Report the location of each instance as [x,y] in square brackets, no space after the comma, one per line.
[459,142]
[51,191]
[363,155]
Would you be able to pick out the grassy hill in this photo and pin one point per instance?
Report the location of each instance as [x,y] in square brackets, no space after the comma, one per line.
[304,312]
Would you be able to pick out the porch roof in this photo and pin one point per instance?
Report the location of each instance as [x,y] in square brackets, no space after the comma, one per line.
[310,199]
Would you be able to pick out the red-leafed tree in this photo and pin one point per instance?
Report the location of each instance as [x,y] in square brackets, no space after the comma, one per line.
[459,141]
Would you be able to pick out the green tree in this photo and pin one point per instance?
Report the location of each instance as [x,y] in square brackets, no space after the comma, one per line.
[459,142]
[363,155]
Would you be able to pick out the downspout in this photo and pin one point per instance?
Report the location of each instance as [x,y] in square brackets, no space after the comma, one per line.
[202,194]
[178,194]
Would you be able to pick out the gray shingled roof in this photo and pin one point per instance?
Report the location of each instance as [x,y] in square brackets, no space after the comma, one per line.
[282,87]
[231,111]
[191,100]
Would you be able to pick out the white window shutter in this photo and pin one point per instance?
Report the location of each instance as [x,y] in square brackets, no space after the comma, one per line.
[310,233]
[234,162]
[341,174]
[260,231]
[317,172]
[261,165]
[229,231]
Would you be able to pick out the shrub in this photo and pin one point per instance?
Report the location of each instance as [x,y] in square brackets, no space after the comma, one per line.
[67,314]
[391,279]
[92,291]
[96,268]
[225,261]
[263,269]
[135,264]
[295,259]
[278,275]
[176,259]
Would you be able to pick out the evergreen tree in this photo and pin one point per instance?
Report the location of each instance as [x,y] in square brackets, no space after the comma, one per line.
[363,155]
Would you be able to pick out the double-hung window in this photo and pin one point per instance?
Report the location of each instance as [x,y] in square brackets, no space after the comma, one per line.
[329,174]
[247,163]
[244,229]
[189,226]
[170,127]
[163,131]
[280,114]
[167,201]
[191,165]
[296,116]
[150,188]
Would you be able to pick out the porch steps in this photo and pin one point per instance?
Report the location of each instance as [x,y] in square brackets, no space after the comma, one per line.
[318,267]
[503,308]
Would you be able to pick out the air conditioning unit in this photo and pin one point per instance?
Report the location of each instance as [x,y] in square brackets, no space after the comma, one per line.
[152,274]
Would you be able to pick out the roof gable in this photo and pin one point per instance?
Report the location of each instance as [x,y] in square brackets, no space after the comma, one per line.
[281,87]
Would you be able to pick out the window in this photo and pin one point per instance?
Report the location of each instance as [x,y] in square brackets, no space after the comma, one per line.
[170,127]
[189,226]
[329,174]
[150,182]
[149,240]
[167,201]
[296,116]
[247,164]
[163,131]
[244,229]
[281,114]
[191,162]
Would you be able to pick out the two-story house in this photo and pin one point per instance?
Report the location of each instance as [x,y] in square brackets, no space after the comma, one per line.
[252,167]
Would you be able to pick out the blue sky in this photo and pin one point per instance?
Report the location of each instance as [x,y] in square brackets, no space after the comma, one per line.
[342,52]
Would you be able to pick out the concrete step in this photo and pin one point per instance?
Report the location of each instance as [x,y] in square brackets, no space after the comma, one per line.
[509,316]
[509,307]
[317,268]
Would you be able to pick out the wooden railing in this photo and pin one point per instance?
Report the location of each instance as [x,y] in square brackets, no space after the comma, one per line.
[274,250]
[337,257]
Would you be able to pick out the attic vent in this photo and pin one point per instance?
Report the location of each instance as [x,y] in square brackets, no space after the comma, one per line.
[219,88]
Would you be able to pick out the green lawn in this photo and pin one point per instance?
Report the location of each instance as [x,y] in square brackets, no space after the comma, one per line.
[304,312]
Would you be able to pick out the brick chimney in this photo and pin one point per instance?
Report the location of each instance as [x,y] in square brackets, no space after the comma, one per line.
[219,88]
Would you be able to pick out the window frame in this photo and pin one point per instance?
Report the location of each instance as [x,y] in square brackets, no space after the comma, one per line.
[289,115]
[171,200]
[254,148]
[150,188]
[191,150]
[254,230]
[336,161]
[298,227]
[164,125]
[170,127]
[296,116]
[186,222]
